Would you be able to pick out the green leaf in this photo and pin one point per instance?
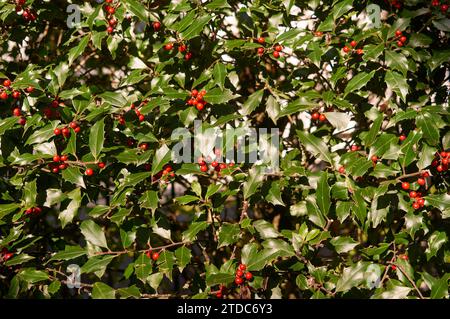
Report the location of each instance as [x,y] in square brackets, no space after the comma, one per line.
[265,229]
[149,200]
[228,234]
[218,96]
[97,263]
[273,108]
[103,291]
[19,259]
[374,130]
[254,180]
[358,81]
[427,123]
[70,252]
[96,138]
[274,195]
[219,278]
[343,244]
[397,83]
[73,175]
[252,102]
[31,275]
[186,199]
[67,215]
[162,157]
[435,242]
[351,277]
[93,233]
[137,9]
[315,146]
[193,230]
[219,74]
[76,51]
[195,28]
[183,256]
[323,194]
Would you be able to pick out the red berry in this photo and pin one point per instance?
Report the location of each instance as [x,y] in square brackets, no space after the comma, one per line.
[398,33]
[248,276]
[346,49]
[405,185]
[16,95]
[342,169]
[110,29]
[416,205]
[440,168]
[353,43]
[425,174]
[77,129]
[278,48]
[141,118]
[219,295]
[421,181]
[203,168]
[239,273]
[112,22]
[37,210]
[168,47]
[412,194]
[3,95]
[7,256]
[374,158]
[194,92]
[155,256]
[322,118]
[404,257]
[444,161]
[188,56]
[57,131]
[238,281]
[403,39]
[402,138]
[315,116]
[202,93]
[111,10]
[276,54]
[30,89]
[168,168]
[242,267]
[354,148]
[56,158]
[73,125]
[22,121]
[435,3]
[261,40]
[144,146]
[443,154]
[444,8]
[318,33]
[7,83]
[199,106]
[214,164]
[421,201]
[101,165]
[89,172]
[400,43]
[156,25]
[359,51]
[260,51]
[222,165]
[55,170]
[64,158]
[66,132]
[182,48]
[17,112]
[62,166]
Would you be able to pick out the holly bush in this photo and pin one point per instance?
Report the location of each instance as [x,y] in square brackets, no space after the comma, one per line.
[94,204]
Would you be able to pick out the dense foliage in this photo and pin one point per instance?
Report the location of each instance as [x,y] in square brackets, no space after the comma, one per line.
[359,207]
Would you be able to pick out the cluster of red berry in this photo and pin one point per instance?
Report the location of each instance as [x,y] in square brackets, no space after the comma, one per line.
[317,116]
[111,20]
[165,174]
[276,49]
[241,275]
[15,94]
[154,256]
[5,255]
[58,164]
[197,99]
[401,39]
[214,165]
[18,113]
[219,294]
[27,13]
[443,7]
[182,48]
[352,46]
[419,202]
[33,210]
[441,161]
[65,131]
